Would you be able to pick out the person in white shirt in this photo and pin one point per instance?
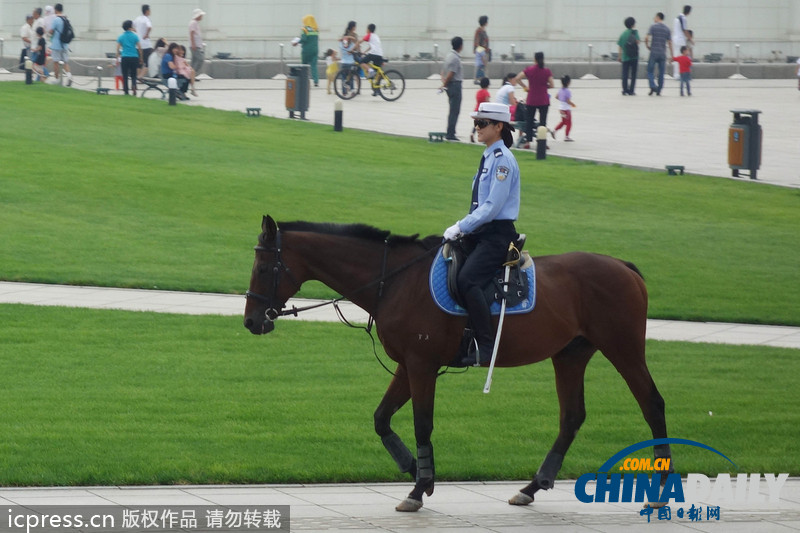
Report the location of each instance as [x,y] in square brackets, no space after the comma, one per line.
[374,52]
[680,35]
[26,34]
[49,16]
[196,41]
[143,26]
[505,94]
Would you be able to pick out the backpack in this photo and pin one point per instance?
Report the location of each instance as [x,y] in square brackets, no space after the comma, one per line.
[67,34]
[631,48]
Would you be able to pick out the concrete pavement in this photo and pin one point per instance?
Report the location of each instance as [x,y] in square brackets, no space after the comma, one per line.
[454,507]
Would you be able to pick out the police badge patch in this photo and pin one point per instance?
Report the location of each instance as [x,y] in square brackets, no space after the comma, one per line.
[502,173]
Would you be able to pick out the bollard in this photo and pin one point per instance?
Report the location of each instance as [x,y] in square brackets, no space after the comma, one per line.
[28,71]
[513,54]
[99,76]
[337,116]
[541,142]
[172,83]
[590,54]
[435,52]
[61,73]
[738,65]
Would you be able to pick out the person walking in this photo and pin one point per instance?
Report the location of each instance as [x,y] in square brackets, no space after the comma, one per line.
[452,79]
[480,47]
[487,230]
[565,102]
[628,44]
[59,51]
[196,41]
[540,79]
[681,35]
[143,27]
[657,39]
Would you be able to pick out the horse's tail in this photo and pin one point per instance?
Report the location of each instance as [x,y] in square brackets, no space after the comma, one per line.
[634,268]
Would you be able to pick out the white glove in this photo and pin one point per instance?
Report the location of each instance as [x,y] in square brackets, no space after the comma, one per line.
[452,233]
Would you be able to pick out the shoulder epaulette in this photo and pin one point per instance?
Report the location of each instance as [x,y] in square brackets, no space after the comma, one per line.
[498,152]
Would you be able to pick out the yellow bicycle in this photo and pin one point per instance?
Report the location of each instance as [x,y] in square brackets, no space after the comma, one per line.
[388,84]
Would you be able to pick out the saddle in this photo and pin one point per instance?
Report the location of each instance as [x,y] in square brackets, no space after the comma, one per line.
[517,289]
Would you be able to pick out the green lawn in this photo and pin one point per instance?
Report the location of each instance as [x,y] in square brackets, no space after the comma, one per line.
[132,193]
[111,397]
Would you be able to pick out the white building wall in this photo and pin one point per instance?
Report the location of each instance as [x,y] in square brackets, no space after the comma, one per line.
[563,29]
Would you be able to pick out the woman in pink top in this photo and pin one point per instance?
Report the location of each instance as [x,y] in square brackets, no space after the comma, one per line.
[183,68]
[539,80]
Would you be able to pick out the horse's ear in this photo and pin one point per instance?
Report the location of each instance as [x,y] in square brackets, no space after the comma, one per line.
[269,227]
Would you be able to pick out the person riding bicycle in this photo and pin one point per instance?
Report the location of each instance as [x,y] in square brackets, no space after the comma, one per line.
[373,54]
[488,229]
[348,47]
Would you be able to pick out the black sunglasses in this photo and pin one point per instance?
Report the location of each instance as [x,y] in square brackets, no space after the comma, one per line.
[482,122]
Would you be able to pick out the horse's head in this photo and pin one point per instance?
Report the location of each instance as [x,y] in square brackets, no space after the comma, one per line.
[268,294]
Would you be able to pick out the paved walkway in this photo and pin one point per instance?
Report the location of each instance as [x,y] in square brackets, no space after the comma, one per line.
[454,507]
[229,304]
[640,131]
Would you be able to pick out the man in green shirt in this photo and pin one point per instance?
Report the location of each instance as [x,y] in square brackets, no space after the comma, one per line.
[629,56]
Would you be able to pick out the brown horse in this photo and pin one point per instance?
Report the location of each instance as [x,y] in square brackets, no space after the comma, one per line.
[585,302]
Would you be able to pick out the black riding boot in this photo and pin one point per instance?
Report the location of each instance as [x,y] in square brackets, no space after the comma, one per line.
[481,318]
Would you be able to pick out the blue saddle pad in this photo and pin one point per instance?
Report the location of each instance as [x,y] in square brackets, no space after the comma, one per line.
[437,281]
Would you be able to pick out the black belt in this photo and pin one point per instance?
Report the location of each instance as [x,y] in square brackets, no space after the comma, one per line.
[497,226]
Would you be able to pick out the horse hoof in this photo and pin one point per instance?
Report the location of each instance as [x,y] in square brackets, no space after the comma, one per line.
[654,505]
[409,505]
[521,498]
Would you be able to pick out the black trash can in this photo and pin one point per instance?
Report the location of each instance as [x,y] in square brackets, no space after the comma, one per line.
[297,90]
[744,142]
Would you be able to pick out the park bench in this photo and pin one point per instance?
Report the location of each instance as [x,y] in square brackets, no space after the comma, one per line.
[153,83]
[673,170]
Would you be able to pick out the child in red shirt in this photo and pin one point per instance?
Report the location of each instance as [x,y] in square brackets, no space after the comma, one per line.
[482,96]
[685,63]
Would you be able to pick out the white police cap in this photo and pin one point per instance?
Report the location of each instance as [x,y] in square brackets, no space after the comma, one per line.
[493,111]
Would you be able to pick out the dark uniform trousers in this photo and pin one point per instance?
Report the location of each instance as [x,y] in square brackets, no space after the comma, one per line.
[487,249]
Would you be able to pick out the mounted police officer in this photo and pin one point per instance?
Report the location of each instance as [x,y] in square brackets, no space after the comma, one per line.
[488,229]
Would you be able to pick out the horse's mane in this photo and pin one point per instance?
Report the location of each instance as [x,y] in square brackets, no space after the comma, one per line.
[361,231]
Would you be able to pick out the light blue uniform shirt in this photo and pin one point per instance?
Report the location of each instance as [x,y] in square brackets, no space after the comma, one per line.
[498,189]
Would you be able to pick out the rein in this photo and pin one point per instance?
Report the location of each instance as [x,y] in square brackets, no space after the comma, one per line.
[273,311]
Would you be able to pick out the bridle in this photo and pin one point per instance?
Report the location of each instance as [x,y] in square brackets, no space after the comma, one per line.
[274,306]
[276,309]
